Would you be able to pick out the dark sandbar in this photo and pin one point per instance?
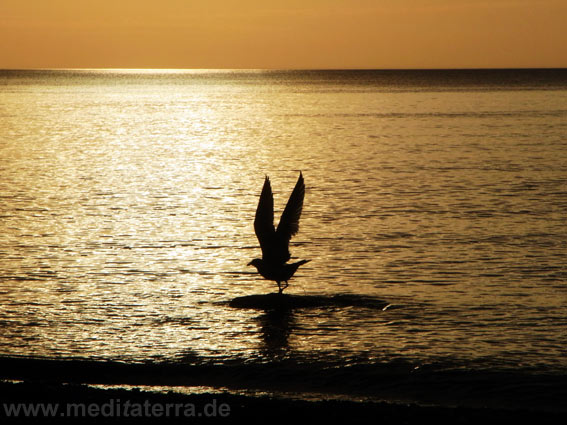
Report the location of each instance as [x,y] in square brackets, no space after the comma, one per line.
[285,301]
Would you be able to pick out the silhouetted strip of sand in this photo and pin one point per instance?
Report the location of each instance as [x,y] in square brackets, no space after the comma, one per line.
[479,393]
[82,404]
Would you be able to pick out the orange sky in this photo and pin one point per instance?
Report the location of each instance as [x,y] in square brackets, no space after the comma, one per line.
[282,33]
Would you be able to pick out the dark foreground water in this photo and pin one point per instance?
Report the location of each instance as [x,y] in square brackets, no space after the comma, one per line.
[435,214]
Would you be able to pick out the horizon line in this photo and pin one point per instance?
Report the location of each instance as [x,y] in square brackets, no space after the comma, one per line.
[276,69]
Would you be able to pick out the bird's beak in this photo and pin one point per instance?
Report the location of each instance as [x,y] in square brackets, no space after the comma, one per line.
[249,264]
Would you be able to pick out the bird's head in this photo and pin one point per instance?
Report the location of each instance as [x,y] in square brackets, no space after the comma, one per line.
[256,262]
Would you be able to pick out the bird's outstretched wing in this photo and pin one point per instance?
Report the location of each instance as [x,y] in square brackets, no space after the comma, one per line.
[264,220]
[289,222]
[275,243]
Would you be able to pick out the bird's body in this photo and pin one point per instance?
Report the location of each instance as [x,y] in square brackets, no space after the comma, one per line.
[277,272]
[275,242]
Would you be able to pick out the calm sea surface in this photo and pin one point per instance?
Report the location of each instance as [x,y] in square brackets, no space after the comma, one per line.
[437,200]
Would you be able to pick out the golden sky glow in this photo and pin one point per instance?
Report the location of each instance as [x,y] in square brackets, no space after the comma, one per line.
[282,33]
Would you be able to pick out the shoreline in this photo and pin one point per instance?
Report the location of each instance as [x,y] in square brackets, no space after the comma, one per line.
[80,403]
[279,392]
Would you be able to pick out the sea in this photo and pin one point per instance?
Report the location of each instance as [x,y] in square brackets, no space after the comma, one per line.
[435,219]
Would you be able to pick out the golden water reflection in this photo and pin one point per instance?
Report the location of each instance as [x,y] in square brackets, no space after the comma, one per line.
[127,216]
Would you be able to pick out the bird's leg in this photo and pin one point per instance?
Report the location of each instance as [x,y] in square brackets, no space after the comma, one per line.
[279,287]
[286,285]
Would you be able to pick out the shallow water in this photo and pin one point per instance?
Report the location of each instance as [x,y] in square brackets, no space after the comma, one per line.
[128,200]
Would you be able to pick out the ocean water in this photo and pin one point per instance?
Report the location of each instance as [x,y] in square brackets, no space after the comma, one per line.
[436,205]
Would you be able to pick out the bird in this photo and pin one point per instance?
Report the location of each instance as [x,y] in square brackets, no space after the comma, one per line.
[274,242]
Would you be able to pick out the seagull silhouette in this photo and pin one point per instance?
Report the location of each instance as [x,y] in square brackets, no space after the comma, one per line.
[275,242]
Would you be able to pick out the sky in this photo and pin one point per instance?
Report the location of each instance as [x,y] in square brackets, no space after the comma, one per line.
[283,34]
